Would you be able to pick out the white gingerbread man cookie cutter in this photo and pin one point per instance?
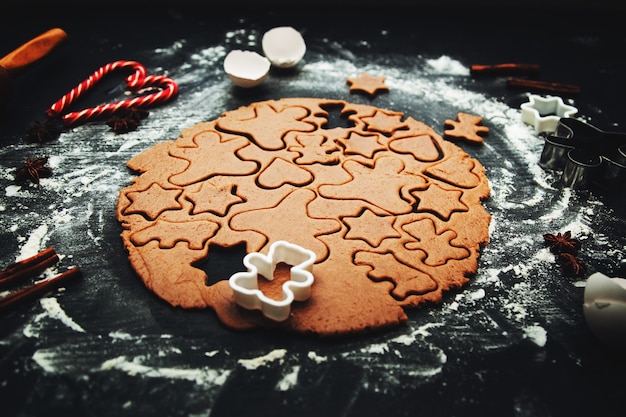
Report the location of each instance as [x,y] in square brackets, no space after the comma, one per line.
[544,113]
[245,285]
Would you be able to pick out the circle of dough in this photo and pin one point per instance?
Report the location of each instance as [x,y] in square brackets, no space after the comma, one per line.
[393,211]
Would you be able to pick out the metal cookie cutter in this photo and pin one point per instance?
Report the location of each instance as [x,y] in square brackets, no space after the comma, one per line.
[586,155]
[246,287]
[544,113]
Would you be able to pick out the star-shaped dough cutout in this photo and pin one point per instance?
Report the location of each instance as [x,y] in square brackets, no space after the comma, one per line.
[440,201]
[385,122]
[367,83]
[365,145]
[371,228]
[214,197]
[153,201]
[467,127]
[544,113]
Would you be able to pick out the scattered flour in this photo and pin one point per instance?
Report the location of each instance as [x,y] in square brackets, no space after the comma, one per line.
[121,335]
[54,310]
[379,348]
[36,241]
[445,65]
[316,357]
[537,334]
[289,380]
[135,367]
[254,363]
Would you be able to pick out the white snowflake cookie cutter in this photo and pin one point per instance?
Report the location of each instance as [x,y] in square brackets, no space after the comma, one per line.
[245,285]
[544,113]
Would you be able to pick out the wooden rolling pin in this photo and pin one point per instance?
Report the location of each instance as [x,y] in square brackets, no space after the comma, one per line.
[27,54]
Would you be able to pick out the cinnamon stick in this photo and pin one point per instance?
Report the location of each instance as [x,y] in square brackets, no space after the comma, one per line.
[505,69]
[28,267]
[542,86]
[38,288]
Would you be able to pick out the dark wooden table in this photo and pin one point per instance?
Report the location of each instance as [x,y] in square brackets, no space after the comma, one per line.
[514,342]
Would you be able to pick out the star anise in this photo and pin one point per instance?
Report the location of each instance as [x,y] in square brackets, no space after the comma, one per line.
[43,132]
[562,243]
[570,264]
[137,113]
[127,121]
[122,124]
[33,170]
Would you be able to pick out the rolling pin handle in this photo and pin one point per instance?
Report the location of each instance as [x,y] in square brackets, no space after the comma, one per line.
[33,50]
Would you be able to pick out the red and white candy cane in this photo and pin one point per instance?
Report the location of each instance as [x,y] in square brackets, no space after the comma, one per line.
[167,89]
